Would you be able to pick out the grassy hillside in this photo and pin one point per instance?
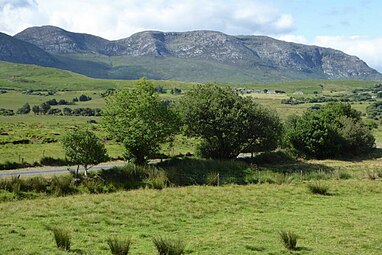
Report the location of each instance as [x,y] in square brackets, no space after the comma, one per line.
[171,68]
[212,220]
[19,76]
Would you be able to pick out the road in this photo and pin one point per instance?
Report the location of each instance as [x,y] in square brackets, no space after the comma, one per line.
[55,170]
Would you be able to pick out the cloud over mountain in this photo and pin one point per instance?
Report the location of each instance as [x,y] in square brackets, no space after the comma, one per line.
[115,19]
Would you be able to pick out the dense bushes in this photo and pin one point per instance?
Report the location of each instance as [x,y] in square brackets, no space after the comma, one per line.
[6,112]
[335,130]
[374,110]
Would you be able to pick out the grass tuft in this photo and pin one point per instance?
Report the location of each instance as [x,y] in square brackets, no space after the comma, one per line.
[62,237]
[119,246]
[168,246]
[288,239]
[318,188]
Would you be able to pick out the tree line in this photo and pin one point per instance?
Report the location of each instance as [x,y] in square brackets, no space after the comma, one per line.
[228,124]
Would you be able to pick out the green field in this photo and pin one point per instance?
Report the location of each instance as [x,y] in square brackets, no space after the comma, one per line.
[45,131]
[212,220]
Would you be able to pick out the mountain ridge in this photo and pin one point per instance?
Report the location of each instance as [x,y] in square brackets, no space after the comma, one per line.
[256,58]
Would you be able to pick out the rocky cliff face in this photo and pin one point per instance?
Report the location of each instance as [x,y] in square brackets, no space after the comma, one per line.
[208,46]
[14,50]
[59,41]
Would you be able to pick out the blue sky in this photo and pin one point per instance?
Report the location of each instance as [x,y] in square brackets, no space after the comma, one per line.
[348,25]
[333,17]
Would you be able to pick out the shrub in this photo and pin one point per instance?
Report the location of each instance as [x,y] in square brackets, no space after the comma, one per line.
[119,246]
[333,131]
[190,171]
[288,239]
[25,109]
[373,174]
[344,175]
[168,246]
[129,176]
[318,188]
[62,238]
[94,185]
[37,184]
[213,178]
[157,179]
[62,185]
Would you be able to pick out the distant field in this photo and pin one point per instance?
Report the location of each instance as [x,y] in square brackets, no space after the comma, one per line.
[46,131]
[211,220]
[42,129]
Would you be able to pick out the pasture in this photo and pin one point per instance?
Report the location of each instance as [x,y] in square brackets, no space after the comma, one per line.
[211,220]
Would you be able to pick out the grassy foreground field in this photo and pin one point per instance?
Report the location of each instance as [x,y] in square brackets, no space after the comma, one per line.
[212,220]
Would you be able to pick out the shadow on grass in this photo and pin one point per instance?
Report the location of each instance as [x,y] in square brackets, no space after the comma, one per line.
[281,162]
[274,167]
[374,154]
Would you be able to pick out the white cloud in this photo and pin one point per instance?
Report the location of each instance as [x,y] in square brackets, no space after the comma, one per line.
[293,38]
[115,19]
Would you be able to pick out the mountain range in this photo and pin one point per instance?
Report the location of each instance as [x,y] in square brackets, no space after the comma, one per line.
[186,56]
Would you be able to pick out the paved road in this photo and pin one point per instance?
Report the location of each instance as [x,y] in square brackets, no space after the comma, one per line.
[55,170]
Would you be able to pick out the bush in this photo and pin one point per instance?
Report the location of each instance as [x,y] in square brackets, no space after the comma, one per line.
[126,177]
[94,185]
[62,185]
[84,98]
[62,238]
[318,188]
[189,171]
[333,131]
[344,175]
[288,239]
[167,246]
[157,179]
[119,246]
[37,184]
[25,109]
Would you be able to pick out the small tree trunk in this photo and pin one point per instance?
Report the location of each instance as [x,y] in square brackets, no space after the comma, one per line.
[78,167]
[86,170]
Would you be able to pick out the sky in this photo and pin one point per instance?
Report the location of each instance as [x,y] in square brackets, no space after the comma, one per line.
[351,26]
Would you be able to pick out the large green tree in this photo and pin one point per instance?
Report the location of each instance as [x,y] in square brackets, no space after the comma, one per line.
[82,147]
[228,123]
[332,131]
[139,119]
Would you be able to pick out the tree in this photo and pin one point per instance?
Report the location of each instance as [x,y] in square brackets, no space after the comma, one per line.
[332,131]
[25,109]
[227,123]
[82,147]
[264,130]
[140,120]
